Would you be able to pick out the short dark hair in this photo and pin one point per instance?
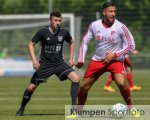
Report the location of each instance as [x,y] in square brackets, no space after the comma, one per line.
[55,13]
[108,4]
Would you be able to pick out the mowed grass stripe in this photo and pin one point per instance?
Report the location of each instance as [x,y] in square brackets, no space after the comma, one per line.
[67,99]
[64,94]
[51,97]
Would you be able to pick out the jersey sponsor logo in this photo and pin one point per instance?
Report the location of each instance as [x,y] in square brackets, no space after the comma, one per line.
[104,39]
[48,39]
[60,38]
[97,37]
[58,48]
[52,48]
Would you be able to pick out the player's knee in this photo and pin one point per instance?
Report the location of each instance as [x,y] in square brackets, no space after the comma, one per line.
[85,86]
[74,77]
[128,70]
[77,79]
[32,87]
[122,86]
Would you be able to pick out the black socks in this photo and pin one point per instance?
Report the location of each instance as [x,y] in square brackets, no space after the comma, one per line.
[74,92]
[26,98]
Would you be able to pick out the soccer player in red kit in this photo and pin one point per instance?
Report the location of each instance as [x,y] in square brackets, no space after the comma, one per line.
[109,35]
[128,74]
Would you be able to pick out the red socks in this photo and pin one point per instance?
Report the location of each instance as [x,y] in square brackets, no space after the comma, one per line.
[129,78]
[109,81]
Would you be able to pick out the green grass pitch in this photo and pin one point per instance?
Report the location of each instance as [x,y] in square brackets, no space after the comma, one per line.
[49,100]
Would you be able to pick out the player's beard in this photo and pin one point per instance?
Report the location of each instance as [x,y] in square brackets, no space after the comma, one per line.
[111,20]
[57,27]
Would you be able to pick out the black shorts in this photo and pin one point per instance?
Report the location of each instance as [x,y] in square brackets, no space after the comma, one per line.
[61,70]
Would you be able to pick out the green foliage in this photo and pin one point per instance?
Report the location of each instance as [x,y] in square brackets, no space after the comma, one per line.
[136,27]
[135,14]
[12,6]
[128,4]
[23,6]
[68,6]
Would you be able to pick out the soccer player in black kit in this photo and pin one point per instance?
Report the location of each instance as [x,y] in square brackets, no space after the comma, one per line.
[51,59]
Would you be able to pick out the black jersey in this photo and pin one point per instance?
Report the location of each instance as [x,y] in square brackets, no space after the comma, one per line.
[51,44]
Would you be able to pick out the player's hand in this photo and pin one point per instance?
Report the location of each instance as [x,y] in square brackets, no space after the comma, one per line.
[109,57]
[71,62]
[135,52]
[36,64]
[79,65]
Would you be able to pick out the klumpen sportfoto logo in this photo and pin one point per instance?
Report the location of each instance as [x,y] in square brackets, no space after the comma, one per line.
[107,112]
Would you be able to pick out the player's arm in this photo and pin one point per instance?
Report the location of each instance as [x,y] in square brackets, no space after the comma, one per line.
[129,44]
[128,47]
[35,62]
[72,49]
[109,57]
[84,46]
[36,38]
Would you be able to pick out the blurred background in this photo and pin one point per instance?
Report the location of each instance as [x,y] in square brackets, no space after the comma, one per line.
[20,19]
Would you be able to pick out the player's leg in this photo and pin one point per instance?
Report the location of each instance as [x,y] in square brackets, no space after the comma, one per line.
[75,79]
[108,86]
[82,95]
[123,87]
[117,69]
[125,92]
[84,88]
[38,77]
[64,71]
[26,98]
[109,80]
[27,94]
[92,73]
[129,77]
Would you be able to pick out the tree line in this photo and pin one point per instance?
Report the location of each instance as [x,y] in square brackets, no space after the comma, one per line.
[134,13]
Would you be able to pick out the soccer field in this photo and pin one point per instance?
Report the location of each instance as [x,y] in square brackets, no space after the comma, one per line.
[49,100]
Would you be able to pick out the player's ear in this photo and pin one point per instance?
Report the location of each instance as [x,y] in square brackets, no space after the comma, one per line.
[50,18]
[103,12]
